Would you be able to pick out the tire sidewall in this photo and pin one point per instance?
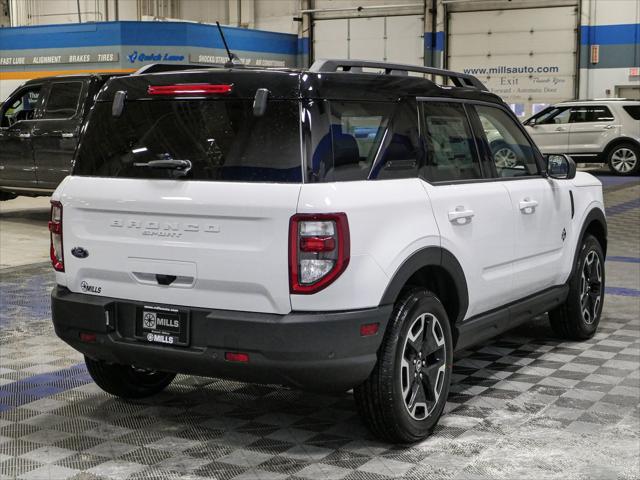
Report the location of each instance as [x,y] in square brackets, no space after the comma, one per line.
[419,303]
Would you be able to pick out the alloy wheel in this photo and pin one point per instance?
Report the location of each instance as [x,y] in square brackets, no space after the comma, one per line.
[505,157]
[591,287]
[623,160]
[423,364]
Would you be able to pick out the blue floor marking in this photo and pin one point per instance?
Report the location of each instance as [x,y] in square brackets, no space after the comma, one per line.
[624,292]
[43,385]
[624,259]
[622,207]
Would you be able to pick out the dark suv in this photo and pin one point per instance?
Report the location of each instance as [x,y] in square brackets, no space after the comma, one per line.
[39,127]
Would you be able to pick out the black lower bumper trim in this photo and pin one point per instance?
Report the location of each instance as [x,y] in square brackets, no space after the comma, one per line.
[312,351]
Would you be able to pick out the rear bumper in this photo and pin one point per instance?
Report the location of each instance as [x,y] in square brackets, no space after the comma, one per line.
[313,351]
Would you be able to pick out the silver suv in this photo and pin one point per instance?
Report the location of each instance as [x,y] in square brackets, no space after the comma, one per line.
[598,131]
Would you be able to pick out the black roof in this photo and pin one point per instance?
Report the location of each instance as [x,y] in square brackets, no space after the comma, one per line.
[284,83]
[79,76]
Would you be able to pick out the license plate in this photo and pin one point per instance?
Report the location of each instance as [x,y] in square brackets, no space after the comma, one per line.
[166,326]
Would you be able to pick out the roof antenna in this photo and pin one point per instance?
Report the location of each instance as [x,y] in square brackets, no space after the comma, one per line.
[233,61]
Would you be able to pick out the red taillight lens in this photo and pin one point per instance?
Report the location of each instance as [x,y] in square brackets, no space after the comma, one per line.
[88,337]
[55,229]
[318,250]
[236,357]
[190,89]
[369,329]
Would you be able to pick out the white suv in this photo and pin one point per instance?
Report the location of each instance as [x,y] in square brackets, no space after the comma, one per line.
[599,131]
[325,229]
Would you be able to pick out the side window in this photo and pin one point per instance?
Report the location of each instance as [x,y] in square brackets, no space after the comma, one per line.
[556,116]
[451,151]
[511,151]
[357,130]
[591,114]
[21,106]
[62,101]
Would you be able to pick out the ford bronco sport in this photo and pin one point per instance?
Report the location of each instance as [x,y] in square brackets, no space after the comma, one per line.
[328,229]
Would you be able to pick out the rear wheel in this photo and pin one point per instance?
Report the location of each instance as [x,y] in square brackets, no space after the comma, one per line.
[578,317]
[624,159]
[126,381]
[405,394]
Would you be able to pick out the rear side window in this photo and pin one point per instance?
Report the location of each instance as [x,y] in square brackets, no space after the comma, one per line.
[451,152]
[222,139]
[633,111]
[598,113]
[63,100]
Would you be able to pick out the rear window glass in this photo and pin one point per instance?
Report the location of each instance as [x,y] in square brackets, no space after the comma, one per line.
[222,139]
[633,111]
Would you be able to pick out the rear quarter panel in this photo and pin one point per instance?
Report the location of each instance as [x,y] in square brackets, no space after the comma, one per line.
[388,221]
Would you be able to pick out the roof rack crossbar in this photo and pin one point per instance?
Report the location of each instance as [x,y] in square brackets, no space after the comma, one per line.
[334,65]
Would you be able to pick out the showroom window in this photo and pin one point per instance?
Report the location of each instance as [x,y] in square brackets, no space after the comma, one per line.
[223,140]
[451,153]
[22,106]
[511,152]
[591,114]
[62,101]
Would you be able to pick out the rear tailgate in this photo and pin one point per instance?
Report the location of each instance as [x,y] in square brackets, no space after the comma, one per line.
[224,242]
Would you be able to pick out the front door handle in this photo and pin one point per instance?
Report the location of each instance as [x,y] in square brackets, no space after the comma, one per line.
[67,135]
[461,216]
[528,206]
[24,135]
[560,129]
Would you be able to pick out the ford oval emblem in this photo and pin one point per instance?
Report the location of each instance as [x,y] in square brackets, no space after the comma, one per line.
[79,252]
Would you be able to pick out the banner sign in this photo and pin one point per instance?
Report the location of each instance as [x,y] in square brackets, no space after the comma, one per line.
[102,57]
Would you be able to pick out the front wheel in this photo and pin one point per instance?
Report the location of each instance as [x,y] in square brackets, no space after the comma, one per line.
[126,381]
[403,398]
[624,159]
[579,316]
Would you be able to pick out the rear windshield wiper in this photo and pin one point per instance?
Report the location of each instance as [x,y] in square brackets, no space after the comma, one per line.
[180,167]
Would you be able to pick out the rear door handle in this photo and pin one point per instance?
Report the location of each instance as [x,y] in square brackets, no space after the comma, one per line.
[67,135]
[528,206]
[24,135]
[461,216]
[609,127]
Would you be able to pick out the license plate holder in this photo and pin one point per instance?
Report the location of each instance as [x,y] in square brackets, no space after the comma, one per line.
[162,325]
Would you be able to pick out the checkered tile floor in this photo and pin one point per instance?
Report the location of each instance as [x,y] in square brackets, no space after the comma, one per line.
[523,406]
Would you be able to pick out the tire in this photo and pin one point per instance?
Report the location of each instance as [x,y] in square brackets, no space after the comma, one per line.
[7,196]
[624,159]
[126,381]
[384,400]
[579,316]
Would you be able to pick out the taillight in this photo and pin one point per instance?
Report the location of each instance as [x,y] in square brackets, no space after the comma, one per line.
[190,89]
[55,229]
[318,250]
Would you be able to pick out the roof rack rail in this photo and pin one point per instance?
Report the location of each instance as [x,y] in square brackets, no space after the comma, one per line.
[356,66]
[164,67]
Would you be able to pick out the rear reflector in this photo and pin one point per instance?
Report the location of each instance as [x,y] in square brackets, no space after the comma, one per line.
[317,244]
[87,337]
[236,357]
[190,88]
[369,329]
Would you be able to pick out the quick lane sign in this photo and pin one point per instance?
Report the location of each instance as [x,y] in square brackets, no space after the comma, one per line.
[102,57]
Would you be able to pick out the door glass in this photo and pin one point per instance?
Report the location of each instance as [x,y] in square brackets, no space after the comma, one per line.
[591,114]
[511,151]
[555,116]
[62,101]
[21,106]
[451,151]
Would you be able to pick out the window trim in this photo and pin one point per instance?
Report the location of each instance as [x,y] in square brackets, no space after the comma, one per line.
[36,109]
[78,103]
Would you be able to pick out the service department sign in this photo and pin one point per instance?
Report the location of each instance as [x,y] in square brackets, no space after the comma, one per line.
[101,57]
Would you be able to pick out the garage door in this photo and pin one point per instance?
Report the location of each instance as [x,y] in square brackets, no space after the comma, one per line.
[392,39]
[527,56]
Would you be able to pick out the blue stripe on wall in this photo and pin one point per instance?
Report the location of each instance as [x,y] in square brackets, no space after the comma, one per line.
[145,33]
[610,34]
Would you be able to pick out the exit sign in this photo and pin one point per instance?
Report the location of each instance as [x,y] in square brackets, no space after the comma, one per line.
[634,72]
[595,53]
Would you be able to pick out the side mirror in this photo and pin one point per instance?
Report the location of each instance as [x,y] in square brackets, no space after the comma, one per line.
[560,166]
[260,102]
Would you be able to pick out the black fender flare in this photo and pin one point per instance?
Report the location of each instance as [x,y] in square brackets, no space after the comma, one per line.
[425,257]
[597,215]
